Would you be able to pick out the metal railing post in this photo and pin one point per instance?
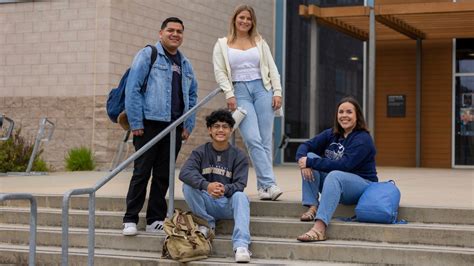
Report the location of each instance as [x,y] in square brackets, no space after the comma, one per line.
[33,226]
[10,127]
[39,139]
[91,245]
[65,229]
[65,220]
[33,220]
[172,172]
[118,157]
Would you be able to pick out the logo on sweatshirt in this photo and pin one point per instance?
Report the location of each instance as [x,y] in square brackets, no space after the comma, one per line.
[217,170]
[335,151]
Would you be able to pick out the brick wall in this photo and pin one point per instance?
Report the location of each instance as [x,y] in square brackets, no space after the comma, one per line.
[60,58]
[47,63]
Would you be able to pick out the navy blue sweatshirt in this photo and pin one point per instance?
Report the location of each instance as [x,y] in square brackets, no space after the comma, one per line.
[354,154]
[206,165]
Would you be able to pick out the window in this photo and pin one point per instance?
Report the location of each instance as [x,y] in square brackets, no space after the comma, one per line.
[339,73]
[464,103]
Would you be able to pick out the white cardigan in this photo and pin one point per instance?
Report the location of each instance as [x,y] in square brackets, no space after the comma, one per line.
[268,69]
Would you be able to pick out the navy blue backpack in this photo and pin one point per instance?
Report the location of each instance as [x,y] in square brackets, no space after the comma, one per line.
[116,99]
[379,204]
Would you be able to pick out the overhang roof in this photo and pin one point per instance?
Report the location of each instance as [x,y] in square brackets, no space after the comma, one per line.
[399,21]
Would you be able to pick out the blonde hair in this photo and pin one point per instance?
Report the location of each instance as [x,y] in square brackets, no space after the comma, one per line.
[253,32]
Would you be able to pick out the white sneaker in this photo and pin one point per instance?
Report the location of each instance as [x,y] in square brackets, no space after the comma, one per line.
[263,194]
[242,255]
[129,229]
[204,230]
[274,192]
[155,227]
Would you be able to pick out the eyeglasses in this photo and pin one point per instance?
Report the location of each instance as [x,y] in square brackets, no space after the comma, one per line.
[219,126]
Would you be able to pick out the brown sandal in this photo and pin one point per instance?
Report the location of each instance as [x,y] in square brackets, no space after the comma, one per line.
[309,215]
[312,236]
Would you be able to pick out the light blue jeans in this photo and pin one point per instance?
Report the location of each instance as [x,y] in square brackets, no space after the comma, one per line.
[257,128]
[237,208]
[335,187]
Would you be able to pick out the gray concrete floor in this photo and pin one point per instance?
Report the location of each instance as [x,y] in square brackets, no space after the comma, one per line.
[419,186]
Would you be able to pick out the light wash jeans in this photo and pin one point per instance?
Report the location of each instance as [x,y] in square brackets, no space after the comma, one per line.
[335,187]
[237,208]
[257,128]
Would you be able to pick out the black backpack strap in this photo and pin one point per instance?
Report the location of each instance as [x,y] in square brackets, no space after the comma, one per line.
[154,54]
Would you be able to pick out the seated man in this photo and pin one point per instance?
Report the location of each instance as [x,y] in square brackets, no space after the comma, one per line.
[214,177]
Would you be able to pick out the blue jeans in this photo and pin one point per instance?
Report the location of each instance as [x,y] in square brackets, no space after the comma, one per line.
[236,207]
[335,187]
[257,128]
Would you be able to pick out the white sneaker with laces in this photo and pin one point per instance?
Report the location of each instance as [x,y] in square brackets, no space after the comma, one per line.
[155,227]
[204,230]
[129,229]
[263,194]
[242,255]
[274,192]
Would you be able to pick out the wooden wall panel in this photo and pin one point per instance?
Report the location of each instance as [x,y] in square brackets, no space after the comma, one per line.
[395,75]
[395,138]
[436,107]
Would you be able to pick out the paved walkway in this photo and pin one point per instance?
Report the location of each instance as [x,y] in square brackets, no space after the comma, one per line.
[419,186]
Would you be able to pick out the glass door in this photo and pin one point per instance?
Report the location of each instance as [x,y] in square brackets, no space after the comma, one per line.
[464,104]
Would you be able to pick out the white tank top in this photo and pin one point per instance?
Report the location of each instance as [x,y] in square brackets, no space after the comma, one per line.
[244,64]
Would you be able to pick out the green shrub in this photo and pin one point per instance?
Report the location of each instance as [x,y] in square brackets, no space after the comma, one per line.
[40,166]
[80,159]
[15,154]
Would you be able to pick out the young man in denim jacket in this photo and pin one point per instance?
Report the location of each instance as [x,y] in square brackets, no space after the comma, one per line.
[171,91]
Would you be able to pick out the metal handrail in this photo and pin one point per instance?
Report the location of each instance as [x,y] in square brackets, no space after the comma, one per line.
[40,138]
[33,219]
[171,129]
[10,128]
[119,154]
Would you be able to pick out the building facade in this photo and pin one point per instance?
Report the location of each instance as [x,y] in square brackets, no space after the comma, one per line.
[60,58]
[419,101]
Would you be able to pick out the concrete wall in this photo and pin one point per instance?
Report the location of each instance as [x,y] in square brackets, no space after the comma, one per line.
[60,58]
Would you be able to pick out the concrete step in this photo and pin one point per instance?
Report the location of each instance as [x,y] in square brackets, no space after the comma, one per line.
[411,233]
[274,226]
[18,255]
[267,208]
[284,251]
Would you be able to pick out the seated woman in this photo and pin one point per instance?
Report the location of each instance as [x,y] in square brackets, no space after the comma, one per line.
[339,163]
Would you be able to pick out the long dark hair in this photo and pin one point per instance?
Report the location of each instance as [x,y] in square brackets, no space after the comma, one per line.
[360,124]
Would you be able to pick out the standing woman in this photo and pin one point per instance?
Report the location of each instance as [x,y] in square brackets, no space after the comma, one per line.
[245,71]
[339,163]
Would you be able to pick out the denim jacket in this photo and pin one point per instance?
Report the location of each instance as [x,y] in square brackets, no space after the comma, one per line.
[155,103]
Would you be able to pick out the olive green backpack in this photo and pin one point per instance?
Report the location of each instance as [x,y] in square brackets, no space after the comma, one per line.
[184,242]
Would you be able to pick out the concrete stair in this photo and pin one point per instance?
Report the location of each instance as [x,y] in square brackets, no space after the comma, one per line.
[433,236]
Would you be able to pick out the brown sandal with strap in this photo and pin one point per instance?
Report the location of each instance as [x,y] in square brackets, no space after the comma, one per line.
[312,236]
[309,215]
